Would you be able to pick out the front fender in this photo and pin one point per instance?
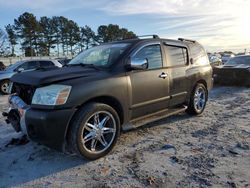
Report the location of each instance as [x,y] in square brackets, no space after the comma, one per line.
[5,76]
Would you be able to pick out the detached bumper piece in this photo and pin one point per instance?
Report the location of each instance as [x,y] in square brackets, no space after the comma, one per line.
[13,118]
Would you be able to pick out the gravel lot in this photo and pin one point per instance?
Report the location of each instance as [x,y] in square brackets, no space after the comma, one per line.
[180,151]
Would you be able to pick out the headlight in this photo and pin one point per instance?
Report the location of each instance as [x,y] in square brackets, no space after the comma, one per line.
[51,95]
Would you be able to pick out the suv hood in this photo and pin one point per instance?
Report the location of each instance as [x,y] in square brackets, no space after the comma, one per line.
[42,77]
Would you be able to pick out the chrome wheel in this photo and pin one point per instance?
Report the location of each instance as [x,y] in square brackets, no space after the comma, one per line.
[199,99]
[5,87]
[99,132]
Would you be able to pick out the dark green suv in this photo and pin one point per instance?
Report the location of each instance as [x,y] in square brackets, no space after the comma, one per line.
[85,105]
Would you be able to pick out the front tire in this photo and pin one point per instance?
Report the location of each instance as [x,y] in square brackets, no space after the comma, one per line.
[94,130]
[198,100]
[4,86]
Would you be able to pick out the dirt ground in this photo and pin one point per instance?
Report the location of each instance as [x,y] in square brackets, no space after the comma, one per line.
[212,150]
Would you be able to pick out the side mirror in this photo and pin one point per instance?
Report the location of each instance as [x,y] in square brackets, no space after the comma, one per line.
[138,64]
[20,69]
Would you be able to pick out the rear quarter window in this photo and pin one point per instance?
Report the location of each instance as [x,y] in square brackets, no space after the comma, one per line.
[198,54]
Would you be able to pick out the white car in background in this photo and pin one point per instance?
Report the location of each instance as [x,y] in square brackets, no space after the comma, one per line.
[22,66]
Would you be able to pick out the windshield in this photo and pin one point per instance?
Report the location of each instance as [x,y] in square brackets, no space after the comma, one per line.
[102,56]
[239,60]
[13,66]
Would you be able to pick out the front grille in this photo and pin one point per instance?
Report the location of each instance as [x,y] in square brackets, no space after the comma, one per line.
[25,92]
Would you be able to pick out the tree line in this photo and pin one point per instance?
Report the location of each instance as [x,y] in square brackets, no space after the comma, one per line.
[38,37]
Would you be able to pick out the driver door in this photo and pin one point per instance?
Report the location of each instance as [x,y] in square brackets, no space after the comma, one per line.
[149,89]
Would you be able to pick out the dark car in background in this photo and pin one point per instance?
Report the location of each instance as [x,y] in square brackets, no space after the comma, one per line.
[63,61]
[23,66]
[235,72]
[225,57]
[83,106]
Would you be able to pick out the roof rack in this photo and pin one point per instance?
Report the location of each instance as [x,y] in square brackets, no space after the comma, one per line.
[188,40]
[147,36]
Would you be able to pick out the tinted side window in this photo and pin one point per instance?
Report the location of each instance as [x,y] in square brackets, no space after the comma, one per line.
[29,65]
[32,65]
[46,64]
[24,66]
[153,54]
[176,55]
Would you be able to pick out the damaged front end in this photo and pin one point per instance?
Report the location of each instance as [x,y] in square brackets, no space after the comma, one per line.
[19,104]
[16,114]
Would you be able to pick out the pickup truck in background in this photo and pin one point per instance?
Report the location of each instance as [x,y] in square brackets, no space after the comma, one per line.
[117,86]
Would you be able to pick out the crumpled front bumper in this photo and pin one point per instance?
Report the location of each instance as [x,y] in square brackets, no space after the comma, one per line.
[16,113]
[48,127]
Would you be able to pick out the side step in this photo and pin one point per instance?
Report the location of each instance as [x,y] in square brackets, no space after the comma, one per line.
[152,117]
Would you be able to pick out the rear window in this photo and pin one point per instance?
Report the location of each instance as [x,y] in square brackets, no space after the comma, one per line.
[176,56]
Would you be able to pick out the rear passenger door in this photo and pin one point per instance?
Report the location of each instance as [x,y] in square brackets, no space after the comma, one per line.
[149,91]
[177,64]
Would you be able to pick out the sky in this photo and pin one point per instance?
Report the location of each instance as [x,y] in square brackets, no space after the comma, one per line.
[217,24]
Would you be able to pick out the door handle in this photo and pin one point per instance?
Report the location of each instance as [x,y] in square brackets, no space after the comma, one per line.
[163,75]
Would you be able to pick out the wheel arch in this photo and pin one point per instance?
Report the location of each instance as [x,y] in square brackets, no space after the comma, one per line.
[108,100]
[111,101]
[201,81]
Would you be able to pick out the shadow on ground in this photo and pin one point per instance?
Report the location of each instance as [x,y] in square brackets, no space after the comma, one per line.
[24,163]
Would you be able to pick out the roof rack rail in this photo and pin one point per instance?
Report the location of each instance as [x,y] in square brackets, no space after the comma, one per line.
[146,36]
[188,40]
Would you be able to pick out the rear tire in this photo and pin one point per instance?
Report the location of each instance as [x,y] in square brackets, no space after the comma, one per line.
[4,86]
[94,130]
[198,100]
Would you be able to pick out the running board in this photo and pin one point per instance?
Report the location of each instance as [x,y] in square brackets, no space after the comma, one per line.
[152,118]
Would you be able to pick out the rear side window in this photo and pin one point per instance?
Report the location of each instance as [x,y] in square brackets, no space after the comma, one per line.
[198,54]
[153,54]
[176,56]
[46,64]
